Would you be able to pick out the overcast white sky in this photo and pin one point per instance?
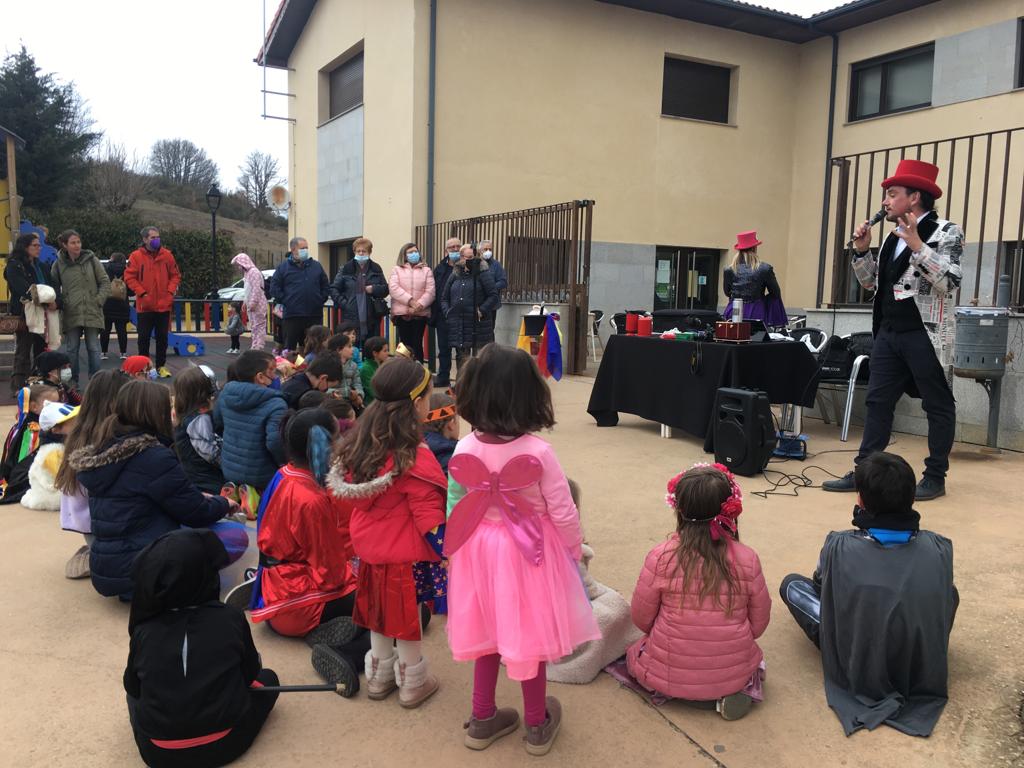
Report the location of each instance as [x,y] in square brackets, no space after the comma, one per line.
[154,69]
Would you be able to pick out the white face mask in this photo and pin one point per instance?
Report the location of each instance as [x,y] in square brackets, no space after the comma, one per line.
[488,254]
[65,375]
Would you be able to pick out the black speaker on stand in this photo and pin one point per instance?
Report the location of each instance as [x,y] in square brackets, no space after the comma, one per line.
[744,433]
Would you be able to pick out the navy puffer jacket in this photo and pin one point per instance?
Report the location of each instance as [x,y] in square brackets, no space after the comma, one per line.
[249,416]
[300,287]
[137,492]
[463,292]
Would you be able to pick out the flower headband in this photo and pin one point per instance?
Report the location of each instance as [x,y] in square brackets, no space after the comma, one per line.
[731,508]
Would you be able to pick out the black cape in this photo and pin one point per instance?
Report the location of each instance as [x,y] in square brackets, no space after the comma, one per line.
[886,614]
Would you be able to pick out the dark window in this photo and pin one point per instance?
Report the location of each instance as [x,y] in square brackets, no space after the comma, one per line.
[347,86]
[1013,265]
[893,83]
[846,290]
[695,90]
[1020,53]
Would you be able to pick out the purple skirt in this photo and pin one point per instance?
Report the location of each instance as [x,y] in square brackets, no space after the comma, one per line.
[771,311]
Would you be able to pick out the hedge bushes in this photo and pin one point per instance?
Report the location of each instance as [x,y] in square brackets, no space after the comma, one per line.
[104,233]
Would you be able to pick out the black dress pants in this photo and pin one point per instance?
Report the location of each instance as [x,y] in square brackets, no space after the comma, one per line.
[216,753]
[27,347]
[897,361]
[159,322]
[410,333]
[295,330]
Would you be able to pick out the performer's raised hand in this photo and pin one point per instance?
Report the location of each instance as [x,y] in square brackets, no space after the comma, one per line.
[862,236]
[907,231]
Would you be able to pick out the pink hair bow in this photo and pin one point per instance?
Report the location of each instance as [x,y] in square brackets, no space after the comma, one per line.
[484,490]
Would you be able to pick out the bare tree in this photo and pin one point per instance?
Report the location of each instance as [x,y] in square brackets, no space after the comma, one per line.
[182,162]
[259,174]
[115,180]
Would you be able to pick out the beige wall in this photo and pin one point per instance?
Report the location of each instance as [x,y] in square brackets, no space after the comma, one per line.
[393,109]
[564,101]
[541,101]
[942,19]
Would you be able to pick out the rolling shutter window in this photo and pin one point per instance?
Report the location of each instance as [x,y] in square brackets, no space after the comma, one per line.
[347,86]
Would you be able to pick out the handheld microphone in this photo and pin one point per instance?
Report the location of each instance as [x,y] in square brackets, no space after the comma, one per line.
[874,220]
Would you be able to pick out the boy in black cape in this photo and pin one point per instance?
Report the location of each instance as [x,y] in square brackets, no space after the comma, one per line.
[192,666]
[880,607]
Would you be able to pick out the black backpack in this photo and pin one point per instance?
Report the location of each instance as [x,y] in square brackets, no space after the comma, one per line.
[837,356]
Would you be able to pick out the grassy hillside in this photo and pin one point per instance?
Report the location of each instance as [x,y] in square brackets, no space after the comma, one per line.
[257,241]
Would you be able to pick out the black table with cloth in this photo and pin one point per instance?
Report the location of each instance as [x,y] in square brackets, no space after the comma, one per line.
[659,379]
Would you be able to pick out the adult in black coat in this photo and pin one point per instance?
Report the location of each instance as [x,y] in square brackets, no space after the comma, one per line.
[24,270]
[468,303]
[137,488]
[116,312]
[442,272]
[359,290]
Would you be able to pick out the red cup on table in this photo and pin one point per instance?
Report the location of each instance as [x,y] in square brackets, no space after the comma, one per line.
[631,322]
[644,325]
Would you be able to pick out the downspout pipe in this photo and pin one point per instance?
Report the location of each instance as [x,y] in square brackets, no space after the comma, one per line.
[827,192]
[431,111]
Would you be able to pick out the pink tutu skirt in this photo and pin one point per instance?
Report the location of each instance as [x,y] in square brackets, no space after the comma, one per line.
[499,603]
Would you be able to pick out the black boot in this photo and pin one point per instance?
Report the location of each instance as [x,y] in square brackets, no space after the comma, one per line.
[929,488]
[335,667]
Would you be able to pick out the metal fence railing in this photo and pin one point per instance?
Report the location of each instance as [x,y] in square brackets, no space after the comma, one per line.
[544,250]
[982,178]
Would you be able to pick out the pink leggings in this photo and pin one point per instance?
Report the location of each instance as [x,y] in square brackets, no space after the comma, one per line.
[485,681]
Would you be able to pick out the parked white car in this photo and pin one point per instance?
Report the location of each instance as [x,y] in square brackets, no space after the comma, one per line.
[236,291]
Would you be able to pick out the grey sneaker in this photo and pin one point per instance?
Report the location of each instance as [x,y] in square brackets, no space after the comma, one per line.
[241,596]
[734,706]
[843,484]
[78,566]
[929,488]
[540,738]
[480,734]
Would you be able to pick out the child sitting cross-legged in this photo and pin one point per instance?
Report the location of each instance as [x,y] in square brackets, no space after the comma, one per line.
[23,441]
[193,674]
[880,606]
[702,601]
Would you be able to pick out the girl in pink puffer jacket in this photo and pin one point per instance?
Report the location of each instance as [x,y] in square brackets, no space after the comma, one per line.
[701,601]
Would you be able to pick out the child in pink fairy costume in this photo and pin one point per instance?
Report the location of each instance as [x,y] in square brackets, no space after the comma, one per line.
[513,539]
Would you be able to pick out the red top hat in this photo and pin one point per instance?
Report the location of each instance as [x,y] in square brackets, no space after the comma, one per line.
[747,240]
[916,174]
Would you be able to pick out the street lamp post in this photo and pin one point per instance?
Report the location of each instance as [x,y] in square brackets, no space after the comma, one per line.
[213,201]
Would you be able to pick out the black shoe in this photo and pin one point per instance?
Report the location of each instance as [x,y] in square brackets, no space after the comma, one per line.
[929,488]
[843,484]
[424,616]
[333,632]
[334,667]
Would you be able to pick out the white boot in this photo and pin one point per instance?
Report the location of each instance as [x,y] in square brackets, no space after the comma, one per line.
[380,676]
[415,683]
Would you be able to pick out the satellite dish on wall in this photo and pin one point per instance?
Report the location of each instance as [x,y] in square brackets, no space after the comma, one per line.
[278,198]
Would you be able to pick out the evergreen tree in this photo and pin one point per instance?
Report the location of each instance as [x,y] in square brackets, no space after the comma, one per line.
[54,121]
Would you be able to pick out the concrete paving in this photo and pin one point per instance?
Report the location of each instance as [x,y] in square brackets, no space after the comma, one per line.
[63,647]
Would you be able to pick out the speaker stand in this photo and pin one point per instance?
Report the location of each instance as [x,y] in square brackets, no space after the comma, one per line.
[666,431]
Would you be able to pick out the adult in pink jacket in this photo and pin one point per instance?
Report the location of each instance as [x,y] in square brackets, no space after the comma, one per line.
[255,299]
[700,625]
[412,292]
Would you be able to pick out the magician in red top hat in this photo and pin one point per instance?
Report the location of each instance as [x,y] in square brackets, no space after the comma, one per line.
[753,280]
[914,276]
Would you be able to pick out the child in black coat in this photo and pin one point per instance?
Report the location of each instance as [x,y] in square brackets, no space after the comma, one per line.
[193,671]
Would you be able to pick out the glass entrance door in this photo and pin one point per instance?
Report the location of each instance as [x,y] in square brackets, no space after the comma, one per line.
[686,278]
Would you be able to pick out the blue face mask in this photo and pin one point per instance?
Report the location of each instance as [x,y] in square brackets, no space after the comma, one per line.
[453,257]
[303,254]
[275,383]
[412,257]
[362,258]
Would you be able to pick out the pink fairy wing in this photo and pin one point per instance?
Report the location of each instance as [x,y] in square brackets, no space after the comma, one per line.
[520,472]
[469,472]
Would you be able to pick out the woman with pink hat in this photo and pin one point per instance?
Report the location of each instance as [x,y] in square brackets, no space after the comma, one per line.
[752,280]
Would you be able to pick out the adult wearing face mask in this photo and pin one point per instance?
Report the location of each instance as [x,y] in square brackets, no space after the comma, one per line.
[359,289]
[486,250]
[442,273]
[82,289]
[468,305]
[300,287]
[412,296]
[152,275]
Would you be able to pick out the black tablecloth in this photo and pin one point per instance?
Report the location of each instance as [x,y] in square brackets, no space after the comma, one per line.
[660,380]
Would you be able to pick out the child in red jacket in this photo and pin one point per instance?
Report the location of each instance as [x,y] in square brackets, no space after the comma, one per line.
[702,601]
[397,493]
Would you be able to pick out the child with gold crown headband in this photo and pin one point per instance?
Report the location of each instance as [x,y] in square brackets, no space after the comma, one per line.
[702,600]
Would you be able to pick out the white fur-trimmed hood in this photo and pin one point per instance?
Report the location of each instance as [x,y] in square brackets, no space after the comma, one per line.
[343,489]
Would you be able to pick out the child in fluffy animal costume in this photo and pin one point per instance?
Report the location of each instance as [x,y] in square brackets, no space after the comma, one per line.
[55,421]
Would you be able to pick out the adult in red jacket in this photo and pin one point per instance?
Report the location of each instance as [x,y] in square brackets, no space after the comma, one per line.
[153,276]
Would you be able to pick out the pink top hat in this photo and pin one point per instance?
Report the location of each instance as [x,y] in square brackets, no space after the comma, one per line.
[916,174]
[747,240]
